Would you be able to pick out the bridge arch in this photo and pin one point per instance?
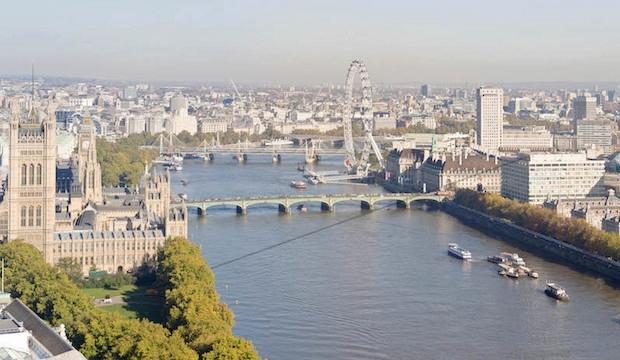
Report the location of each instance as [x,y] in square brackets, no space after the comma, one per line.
[325,205]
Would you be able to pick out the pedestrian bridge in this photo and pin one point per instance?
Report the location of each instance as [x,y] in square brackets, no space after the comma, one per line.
[327,202]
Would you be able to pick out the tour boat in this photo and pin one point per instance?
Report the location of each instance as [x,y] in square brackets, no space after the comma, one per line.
[456,251]
[496,259]
[313,181]
[183,196]
[302,208]
[298,184]
[556,292]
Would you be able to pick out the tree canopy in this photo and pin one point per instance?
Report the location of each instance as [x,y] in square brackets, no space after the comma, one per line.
[545,221]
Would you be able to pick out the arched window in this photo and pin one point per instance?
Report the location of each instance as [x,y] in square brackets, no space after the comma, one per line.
[31,175]
[23,215]
[39,171]
[39,215]
[24,174]
[31,216]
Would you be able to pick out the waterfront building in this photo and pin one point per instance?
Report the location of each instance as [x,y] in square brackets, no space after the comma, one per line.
[61,208]
[180,120]
[403,166]
[594,209]
[534,138]
[462,170]
[534,177]
[212,126]
[489,118]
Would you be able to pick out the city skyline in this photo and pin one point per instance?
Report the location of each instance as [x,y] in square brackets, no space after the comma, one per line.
[309,43]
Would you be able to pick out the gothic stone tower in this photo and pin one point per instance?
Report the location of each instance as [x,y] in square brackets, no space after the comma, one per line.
[89,168]
[32,179]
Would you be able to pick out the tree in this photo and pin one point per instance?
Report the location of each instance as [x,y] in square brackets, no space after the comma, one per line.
[232,348]
[72,268]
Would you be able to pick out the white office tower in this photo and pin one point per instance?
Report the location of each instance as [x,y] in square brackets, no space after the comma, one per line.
[537,177]
[179,119]
[489,118]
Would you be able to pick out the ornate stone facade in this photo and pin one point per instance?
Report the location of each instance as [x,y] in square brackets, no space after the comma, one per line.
[61,208]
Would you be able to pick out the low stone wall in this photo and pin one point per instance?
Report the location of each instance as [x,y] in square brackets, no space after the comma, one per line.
[547,246]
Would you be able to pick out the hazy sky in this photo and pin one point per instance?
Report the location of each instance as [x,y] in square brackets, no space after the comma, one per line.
[309,41]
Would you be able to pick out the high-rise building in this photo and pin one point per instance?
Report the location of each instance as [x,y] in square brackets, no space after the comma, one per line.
[425,90]
[594,133]
[584,108]
[535,177]
[489,118]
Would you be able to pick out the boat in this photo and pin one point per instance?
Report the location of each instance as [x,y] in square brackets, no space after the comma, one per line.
[556,292]
[513,258]
[278,142]
[496,259]
[184,182]
[512,273]
[176,167]
[533,274]
[456,251]
[183,196]
[313,181]
[298,184]
[301,167]
[302,208]
[507,270]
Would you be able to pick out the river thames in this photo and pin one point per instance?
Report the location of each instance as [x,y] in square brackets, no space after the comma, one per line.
[379,284]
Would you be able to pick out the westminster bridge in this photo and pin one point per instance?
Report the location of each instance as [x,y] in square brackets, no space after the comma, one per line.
[285,203]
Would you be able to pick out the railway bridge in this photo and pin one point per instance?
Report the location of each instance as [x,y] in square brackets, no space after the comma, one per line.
[327,202]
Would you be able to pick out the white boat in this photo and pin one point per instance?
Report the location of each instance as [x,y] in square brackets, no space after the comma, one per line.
[278,142]
[556,292]
[456,251]
[513,258]
[298,184]
[313,181]
[183,196]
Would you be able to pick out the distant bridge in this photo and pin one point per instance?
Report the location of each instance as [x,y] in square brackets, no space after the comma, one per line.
[328,202]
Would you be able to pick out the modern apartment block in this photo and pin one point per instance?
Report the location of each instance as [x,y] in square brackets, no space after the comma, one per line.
[489,118]
[538,176]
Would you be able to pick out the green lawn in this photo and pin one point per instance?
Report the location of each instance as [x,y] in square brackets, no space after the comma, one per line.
[138,303]
[136,311]
[99,293]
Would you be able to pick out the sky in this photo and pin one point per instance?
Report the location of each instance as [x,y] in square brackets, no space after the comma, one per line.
[313,41]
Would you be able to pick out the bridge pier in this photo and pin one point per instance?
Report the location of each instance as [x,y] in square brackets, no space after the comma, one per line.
[242,210]
[403,204]
[366,205]
[201,211]
[284,209]
[327,207]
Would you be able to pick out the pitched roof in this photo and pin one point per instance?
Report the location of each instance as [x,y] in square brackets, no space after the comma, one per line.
[44,334]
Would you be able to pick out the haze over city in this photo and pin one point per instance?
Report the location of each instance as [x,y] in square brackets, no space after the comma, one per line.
[309,42]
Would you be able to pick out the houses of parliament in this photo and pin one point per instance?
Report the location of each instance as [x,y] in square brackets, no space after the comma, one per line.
[61,208]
